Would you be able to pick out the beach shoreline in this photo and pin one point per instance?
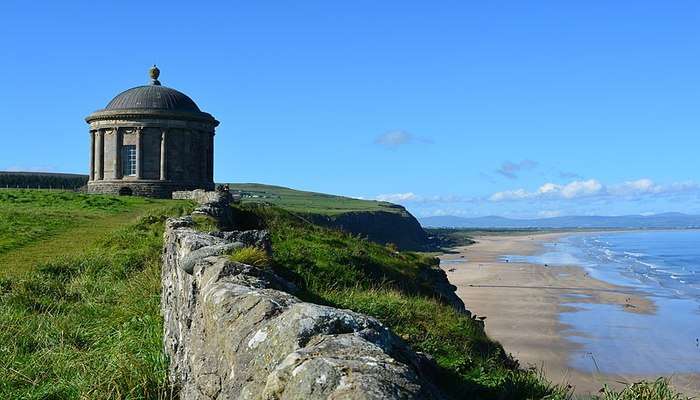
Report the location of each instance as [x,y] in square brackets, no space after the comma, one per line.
[522,303]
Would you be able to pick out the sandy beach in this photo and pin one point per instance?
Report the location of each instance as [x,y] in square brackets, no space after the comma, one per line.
[522,303]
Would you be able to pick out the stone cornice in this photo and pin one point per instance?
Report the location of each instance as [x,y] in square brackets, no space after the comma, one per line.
[150,114]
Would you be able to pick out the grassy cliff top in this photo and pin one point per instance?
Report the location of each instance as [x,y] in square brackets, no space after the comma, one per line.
[80,300]
[308,202]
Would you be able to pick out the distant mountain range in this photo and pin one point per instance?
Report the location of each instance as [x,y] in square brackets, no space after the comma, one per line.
[665,220]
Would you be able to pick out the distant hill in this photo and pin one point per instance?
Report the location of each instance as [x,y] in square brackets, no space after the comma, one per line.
[379,221]
[666,220]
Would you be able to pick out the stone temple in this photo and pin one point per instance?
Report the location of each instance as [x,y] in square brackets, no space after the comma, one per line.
[150,141]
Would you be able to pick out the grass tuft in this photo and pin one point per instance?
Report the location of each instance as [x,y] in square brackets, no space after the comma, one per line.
[659,389]
[204,223]
[251,256]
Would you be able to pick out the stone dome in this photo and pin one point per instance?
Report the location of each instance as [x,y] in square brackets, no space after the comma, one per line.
[152,101]
[152,97]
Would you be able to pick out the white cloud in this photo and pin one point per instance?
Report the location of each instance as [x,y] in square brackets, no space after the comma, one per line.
[549,213]
[594,188]
[548,188]
[516,194]
[581,189]
[647,186]
[410,197]
[634,187]
[397,197]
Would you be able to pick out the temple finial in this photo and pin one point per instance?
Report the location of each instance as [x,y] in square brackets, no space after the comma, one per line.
[155,73]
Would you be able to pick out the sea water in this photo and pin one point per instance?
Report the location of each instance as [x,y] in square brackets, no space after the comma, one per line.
[664,265]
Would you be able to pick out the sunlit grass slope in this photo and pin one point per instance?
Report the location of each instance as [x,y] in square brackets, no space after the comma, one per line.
[28,216]
[307,202]
[345,271]
[86,323]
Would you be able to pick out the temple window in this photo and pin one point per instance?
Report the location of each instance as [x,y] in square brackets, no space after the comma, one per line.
[129,160]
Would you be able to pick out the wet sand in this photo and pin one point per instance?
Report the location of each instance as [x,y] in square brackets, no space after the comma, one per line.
[522,303]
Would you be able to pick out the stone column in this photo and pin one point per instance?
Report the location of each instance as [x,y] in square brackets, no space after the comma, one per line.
[139,152]
[116,165]
[99,157]
[163,155]
[210,172]
[92,155]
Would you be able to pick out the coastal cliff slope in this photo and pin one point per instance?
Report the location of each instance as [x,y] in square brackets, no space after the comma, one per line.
[379,221]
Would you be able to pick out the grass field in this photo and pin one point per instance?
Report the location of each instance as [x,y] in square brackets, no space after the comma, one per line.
[307,202]
[81,320]
[79,309]
[27,216]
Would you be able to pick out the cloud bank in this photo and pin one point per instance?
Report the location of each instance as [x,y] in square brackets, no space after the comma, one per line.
[594,188]
[576,197]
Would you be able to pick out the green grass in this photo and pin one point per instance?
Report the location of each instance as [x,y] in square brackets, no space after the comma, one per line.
[88,325]
[251,256]
[657,390]
[307,202]
[345,271]
[29,215]
[205,223]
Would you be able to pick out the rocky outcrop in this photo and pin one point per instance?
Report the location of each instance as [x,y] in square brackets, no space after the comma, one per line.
[234,331]
[442,287]
[400,228]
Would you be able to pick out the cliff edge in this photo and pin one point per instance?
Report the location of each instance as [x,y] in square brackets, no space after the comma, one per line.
[379,221]
[398,227]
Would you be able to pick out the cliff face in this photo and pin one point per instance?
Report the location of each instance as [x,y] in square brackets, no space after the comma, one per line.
[400,228]
[233,331]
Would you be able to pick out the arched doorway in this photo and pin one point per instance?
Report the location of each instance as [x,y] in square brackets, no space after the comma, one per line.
[125,191]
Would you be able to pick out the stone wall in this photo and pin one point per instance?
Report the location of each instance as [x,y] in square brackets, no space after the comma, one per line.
[158,189]
[233,331]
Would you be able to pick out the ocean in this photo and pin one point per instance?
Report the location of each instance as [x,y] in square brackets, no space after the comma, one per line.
[664,265]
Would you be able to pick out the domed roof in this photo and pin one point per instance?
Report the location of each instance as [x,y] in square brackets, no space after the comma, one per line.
[152,101]
[152,97]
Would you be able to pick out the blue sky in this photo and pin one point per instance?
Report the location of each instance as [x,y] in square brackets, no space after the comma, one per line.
[513,108]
